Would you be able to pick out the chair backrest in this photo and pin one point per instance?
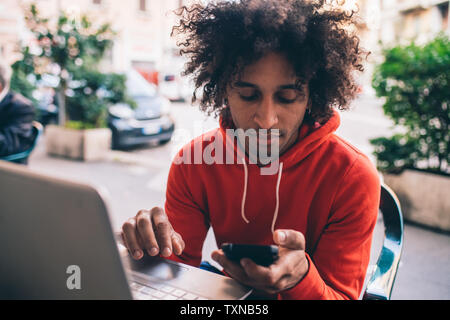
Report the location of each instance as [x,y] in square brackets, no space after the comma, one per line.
[17,157]
[381,282]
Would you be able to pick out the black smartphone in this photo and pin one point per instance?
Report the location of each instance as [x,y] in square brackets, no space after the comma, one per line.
[262,255]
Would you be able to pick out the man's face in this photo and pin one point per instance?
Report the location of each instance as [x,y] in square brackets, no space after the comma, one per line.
[266,98]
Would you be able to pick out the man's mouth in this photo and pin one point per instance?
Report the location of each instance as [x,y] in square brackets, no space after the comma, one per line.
[261,145]
[255,139]
[269,137]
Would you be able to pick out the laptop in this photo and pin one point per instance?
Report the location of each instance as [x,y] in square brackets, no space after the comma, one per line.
[56,242]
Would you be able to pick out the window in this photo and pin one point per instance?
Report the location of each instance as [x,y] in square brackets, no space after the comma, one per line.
[143,5]
[443,9]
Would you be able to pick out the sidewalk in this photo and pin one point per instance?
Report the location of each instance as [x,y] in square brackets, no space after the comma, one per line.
[135,181]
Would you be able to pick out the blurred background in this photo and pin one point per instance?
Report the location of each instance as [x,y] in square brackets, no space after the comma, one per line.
[112,65]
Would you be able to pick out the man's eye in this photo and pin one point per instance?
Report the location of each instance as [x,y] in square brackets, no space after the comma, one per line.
[289,96]
[248,95]
[248,98]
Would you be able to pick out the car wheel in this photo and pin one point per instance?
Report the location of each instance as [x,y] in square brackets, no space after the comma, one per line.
[115,140]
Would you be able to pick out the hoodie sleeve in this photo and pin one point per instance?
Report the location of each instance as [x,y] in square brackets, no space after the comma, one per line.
[185,214]
[338,265]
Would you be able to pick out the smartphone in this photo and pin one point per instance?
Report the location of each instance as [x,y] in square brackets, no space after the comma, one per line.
[262,255]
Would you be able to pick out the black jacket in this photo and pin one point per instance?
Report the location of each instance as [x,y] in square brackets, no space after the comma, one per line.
[16,116]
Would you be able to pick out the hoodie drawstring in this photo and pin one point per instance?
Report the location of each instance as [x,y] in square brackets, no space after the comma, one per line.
[277,196]
[244,195]
[277,190]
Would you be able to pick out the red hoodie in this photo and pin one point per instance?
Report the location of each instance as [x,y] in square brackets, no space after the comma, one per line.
[325,188]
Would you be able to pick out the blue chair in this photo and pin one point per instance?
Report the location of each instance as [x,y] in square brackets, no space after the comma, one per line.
[381,281]
[22,157]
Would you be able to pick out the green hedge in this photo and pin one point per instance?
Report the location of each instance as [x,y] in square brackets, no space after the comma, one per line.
[415,82]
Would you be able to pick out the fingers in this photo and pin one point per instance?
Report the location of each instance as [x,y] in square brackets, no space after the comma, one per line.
[285,273]
[151,231]
[249,273]
[267,275]
[289,239]
[177,243]
[145,230]
[233,269]
[163,231]
[130,237]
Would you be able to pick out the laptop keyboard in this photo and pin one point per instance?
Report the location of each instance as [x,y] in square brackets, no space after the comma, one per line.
[160,291]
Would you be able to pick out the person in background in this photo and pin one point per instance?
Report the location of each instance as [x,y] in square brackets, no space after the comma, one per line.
[16,118]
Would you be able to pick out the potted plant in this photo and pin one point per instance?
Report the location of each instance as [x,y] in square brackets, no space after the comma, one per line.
[65,55]
[415,80]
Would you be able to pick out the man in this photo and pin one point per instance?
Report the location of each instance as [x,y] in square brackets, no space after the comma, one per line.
[276,68]
[16,117]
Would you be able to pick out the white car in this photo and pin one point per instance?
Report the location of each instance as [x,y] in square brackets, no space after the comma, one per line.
[175,88]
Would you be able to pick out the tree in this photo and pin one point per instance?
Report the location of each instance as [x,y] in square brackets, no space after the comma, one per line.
[415,82]
[70,50]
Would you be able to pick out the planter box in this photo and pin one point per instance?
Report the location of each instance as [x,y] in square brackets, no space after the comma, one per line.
[85,145]
[423,197]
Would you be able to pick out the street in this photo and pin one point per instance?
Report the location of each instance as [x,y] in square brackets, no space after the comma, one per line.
[136,179]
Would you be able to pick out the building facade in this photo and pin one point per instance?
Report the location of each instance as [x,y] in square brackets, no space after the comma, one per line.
[418,20]
[143,29]
[385,23]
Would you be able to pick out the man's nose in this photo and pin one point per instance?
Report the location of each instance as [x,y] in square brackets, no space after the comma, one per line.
[266,116]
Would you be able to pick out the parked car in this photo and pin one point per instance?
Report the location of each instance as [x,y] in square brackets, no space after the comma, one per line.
[149,121]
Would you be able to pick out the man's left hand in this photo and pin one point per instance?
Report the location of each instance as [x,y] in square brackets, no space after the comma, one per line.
[284,274]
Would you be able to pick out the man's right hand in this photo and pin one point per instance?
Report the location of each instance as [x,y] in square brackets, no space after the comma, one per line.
[151,230]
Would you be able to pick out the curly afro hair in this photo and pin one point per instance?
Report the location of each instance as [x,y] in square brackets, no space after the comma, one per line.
[223,37]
